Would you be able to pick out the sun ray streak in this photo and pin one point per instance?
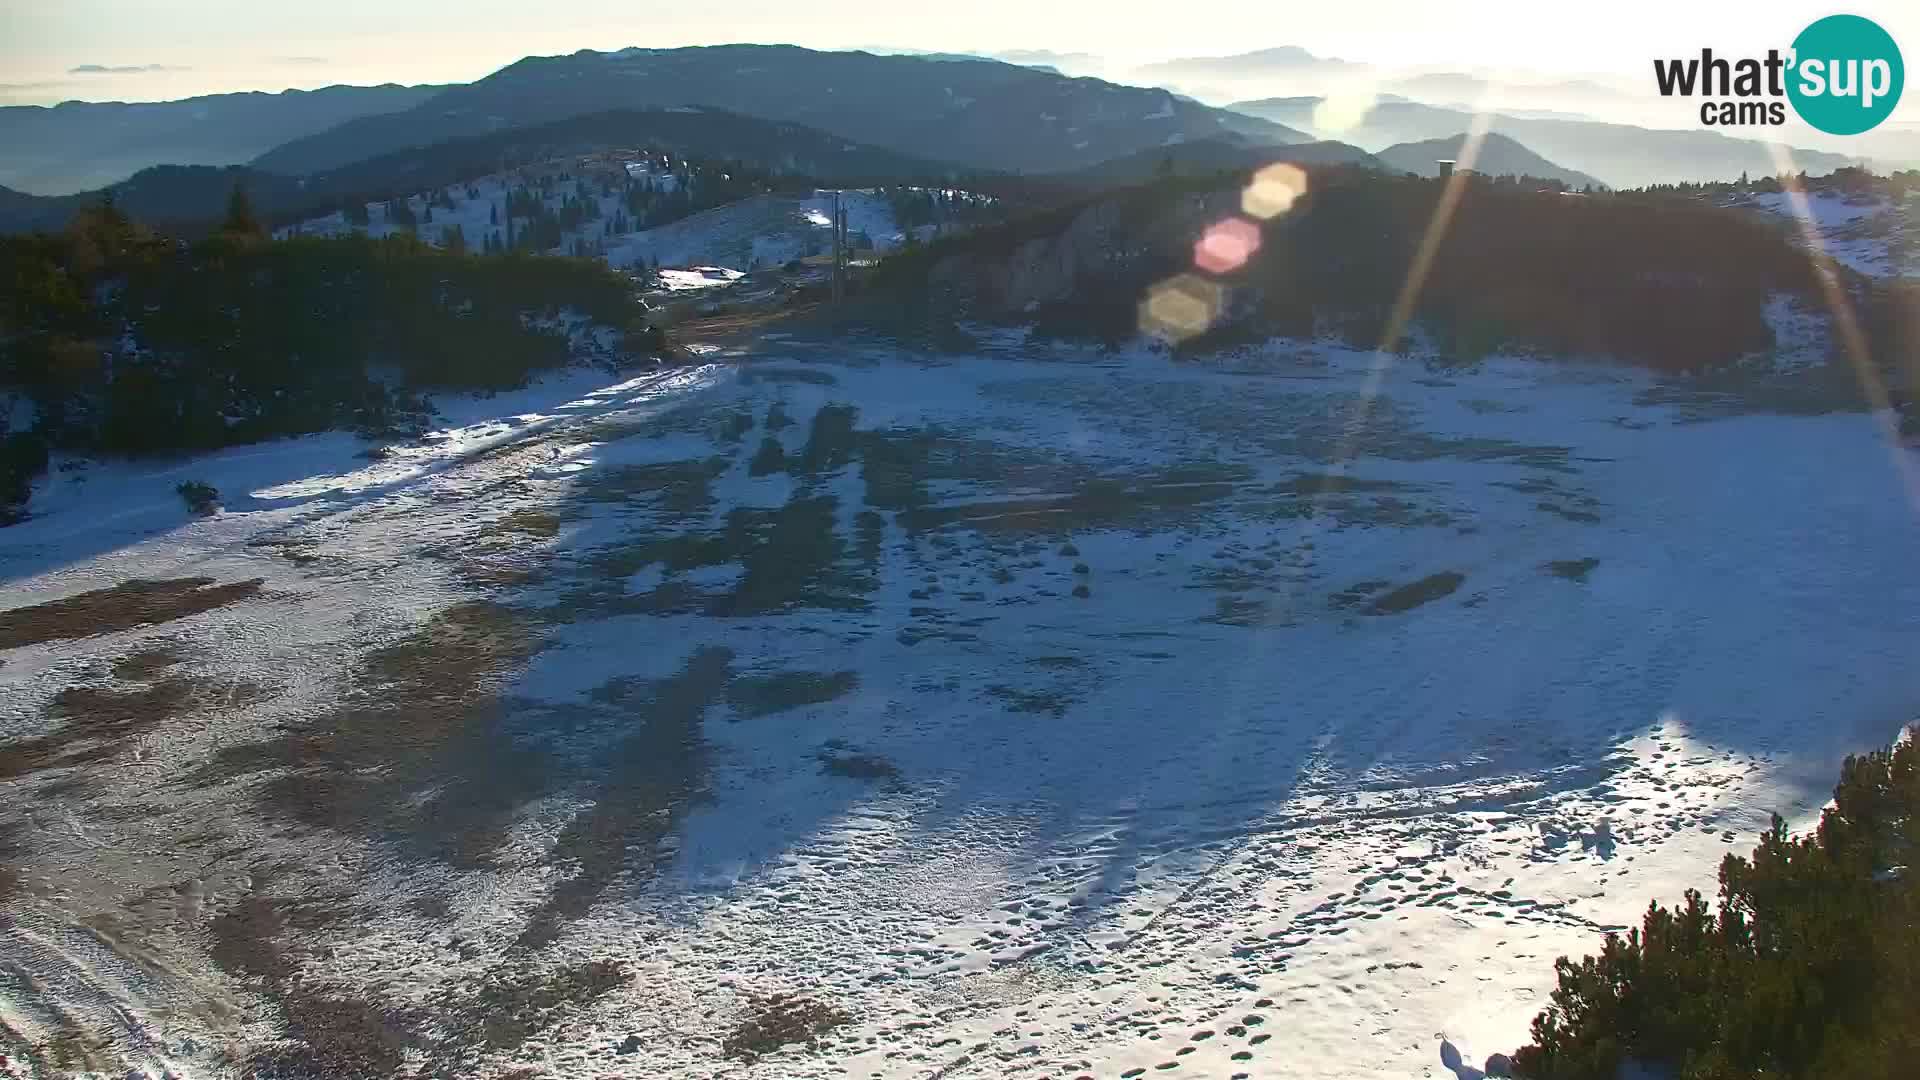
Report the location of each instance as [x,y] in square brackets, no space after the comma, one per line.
[1846,323]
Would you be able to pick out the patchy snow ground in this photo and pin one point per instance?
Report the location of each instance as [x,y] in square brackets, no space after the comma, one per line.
[765,230]
[1875,236]
[1032,713]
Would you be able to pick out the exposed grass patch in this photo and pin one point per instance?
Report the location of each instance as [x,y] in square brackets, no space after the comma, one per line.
[753,696]
[778,1021]
[1051,702]
[509,1007]
[1330,429]
[1557,499]
[757,373]
[1572,569]
[735,426]
[424,717]
[1410,596]
[680,487]
[1584,517]
[121,607]
[1334,484]
[898,464]
[71,1052]
[1097,504]
[1235,610]
[96,724]
[770,458]
[646,782]
[149,661]
[792,556]
[839,759]
[337,1035]
[329,1033]
[530,522]
[10,855]
[1357,592]
[830,441]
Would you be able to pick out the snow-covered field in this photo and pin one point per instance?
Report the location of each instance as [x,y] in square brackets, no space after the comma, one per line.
[1030,713]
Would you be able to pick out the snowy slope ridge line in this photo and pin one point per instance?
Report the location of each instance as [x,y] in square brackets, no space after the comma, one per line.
[1281,743]
[761,231]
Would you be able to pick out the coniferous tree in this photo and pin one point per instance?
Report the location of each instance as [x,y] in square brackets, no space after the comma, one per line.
[240,219]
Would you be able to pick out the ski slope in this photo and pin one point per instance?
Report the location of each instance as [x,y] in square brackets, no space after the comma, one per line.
[1384,689]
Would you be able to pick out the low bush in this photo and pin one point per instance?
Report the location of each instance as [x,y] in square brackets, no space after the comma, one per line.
[200,498]
[1808,966]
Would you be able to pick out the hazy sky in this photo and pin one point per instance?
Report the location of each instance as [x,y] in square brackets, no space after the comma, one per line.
[55,50]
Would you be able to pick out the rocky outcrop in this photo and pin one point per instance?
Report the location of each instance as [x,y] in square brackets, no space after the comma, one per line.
[1116,238]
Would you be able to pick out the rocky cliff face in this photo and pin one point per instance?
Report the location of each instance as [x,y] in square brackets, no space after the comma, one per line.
[1108,242]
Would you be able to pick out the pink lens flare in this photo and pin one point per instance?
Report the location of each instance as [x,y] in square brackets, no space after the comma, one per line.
[1226,246]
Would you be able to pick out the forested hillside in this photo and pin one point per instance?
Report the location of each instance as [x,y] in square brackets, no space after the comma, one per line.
[741,155]
[118,340]
[1667,282]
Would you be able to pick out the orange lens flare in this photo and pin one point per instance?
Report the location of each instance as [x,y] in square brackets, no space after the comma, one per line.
[1180,308]
[1273,190]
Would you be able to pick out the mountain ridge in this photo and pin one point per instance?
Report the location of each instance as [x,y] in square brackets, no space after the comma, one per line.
[81,145]
[983,114]
[1621,155]
[1498,155]
[183,194]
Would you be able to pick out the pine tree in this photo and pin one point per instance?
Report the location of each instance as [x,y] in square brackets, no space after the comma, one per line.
[240,220]
[454,239]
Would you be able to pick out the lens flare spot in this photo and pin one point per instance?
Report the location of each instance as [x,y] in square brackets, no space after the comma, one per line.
[1226,246]
[1343,110]
[1273,190]
[1180,307]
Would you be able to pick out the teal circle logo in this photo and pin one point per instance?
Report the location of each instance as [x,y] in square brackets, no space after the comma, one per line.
[1847,75]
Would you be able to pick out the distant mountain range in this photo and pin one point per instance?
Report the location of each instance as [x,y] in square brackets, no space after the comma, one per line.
[1212,156]
[890,115]
[1285,61]
[79,145]
[979,114]
[175,195]
[1497,156]
[1618,154]
[1290,71]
